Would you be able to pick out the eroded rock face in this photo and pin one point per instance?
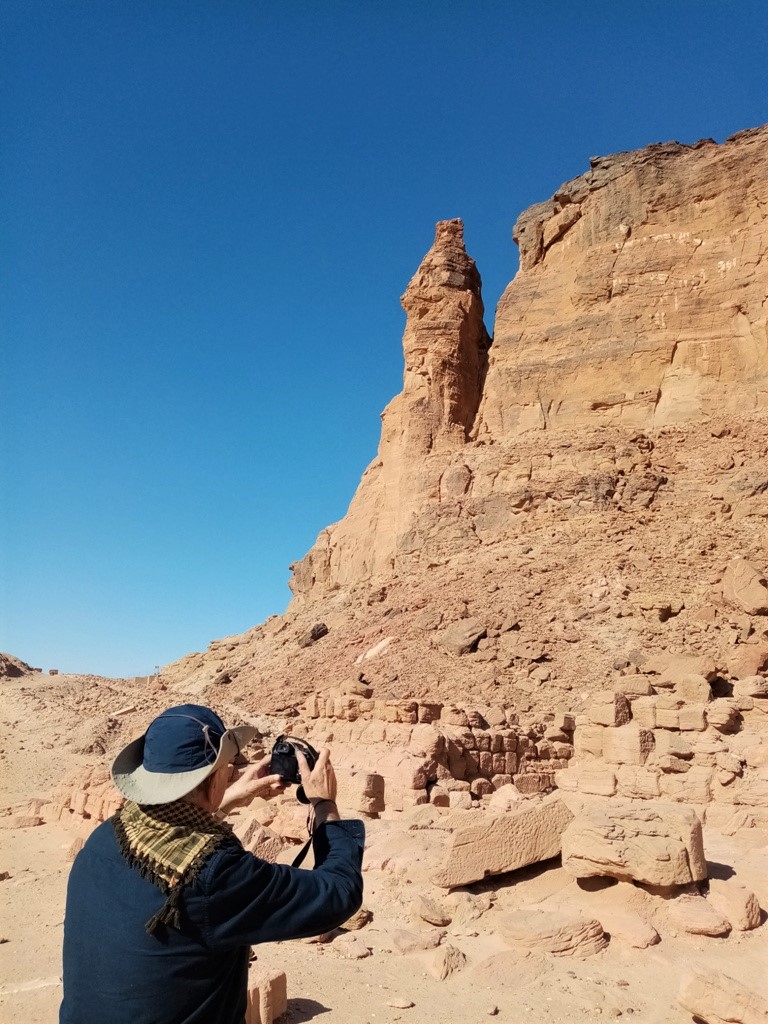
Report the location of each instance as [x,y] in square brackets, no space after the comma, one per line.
[640,295]
[445,345]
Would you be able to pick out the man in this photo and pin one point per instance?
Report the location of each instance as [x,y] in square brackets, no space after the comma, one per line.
[163,902]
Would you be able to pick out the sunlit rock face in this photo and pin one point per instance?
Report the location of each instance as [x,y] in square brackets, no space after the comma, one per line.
[640,303]
[641,298]
[446,358]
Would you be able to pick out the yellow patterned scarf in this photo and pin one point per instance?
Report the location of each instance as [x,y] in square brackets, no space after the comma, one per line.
[168,844]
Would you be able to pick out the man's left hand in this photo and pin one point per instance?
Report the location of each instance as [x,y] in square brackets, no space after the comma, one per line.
[250,782]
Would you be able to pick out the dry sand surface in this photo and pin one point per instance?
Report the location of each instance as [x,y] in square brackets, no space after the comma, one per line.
[322,982]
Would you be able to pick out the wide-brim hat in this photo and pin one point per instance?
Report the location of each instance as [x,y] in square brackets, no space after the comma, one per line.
[179,750]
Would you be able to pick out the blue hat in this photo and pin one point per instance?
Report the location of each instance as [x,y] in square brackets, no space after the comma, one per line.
[180,749]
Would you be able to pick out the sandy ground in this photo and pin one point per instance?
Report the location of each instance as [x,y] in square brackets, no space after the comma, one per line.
[496,981]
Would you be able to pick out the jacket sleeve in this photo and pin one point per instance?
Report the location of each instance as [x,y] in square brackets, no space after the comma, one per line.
[249,900]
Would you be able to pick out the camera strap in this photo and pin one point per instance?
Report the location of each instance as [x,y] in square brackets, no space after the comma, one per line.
[300,856]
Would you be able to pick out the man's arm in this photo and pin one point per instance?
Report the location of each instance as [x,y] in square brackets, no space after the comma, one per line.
[248,900]
[251,901]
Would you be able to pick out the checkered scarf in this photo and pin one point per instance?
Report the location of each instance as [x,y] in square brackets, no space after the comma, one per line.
[168,844]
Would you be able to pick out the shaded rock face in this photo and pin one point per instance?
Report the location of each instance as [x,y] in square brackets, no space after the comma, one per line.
[641,294]
[639,304]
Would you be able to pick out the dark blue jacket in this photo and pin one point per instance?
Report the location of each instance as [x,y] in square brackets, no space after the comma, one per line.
[116,973]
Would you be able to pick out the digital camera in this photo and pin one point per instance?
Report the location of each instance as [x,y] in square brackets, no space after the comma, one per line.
[285,764]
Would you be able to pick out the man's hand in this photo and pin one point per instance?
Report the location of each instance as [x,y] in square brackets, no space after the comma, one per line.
[320,786]
[250,782]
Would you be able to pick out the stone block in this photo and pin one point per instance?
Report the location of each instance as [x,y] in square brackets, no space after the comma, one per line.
[596,779]
[715,998]
[504,843]
[693,688]
[637,783]
[660,845]
[628,744]
[460,799]
[723,715]
[695,915]
[534,782]
[667,718]
[629,928]
[633,687]
[749,660]
[737,904]
[429,712]
[693,787]
[609,709]
[692,718]
[644,712]
[752,686]
[588,741]
[671,743]
[267,998]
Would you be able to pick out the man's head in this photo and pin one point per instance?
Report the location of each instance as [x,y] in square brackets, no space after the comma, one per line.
[178,752]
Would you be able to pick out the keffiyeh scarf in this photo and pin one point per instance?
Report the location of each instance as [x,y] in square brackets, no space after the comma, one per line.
[168,844]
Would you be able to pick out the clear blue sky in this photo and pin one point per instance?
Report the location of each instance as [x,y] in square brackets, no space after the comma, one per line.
[209,212]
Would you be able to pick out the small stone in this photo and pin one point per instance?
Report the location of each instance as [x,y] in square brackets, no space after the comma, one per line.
[446,961]
[318,631]
[429,910]
[350,947]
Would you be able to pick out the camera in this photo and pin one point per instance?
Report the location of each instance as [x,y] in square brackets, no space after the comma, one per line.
[285,764]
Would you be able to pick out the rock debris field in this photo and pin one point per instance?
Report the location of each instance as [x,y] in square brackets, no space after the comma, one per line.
[537,644]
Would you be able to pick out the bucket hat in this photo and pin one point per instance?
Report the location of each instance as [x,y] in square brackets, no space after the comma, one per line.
[181,748]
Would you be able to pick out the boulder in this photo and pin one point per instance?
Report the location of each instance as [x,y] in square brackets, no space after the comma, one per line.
[463,637]
[745,587]
[695,915]
[526,835]
[562,932]
[715,998]
[660,845]
[735,903]
[629,928]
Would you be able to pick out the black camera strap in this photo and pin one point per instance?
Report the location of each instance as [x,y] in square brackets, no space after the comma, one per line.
[301,855]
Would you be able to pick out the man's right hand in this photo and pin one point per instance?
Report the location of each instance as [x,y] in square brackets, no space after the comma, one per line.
[320,782]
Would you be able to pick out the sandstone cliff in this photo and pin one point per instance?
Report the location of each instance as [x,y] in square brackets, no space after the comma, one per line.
[446,357]
[569,498]
[640,302]
[641,298]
